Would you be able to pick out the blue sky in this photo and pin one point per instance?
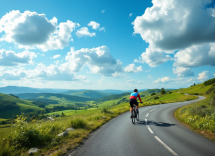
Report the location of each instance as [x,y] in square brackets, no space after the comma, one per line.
[109,44]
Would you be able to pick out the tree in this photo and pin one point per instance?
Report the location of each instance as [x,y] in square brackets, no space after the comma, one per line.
[194,84]
[163,91]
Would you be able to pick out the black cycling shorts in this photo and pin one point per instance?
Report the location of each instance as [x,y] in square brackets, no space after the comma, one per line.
[132,102]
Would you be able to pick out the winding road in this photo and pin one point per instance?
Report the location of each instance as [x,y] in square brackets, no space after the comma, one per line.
[157,133]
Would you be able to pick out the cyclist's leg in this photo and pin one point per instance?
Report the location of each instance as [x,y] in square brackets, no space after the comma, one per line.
[131,106]
[137,105]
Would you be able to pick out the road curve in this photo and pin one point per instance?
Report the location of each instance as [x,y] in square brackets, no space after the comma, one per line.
[157,133]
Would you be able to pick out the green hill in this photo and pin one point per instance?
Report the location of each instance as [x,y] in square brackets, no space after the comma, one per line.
[90,94]
[23,106]
[53,96]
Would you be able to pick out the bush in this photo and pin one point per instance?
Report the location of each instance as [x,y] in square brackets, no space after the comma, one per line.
[156,97]
[211,90]
[153,94]
[162,91]
[26,135]
[170,92]
[79,123]
[104,109]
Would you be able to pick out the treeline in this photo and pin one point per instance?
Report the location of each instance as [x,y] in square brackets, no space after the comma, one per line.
[14,96]
[60,108]
[41,102]
[7,105]
[209,82]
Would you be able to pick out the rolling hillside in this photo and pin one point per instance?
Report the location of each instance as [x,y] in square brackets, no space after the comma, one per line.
[91,94]
[53,96]
[24,105]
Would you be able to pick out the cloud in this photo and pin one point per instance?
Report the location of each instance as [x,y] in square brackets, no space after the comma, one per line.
[132,69]
[13,74]
[205,75]
[118,75]
[84,31]
[99,60]
[32,30]
[197,55]
[182,72]
[135,81]
[10,58]
[163,80]
[103,11]
[153,58]
[56,56]
[149,77]
[169,26]
[95,25]
[130,14]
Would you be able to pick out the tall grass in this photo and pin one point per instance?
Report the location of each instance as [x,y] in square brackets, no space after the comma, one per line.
[200,115]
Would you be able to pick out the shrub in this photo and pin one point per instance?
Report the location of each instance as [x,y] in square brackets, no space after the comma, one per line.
[211,90]
[79,123]
[170,92]
[162,91]
[198,111]
[26,135]
[156,97]
[104,109]
[153,94]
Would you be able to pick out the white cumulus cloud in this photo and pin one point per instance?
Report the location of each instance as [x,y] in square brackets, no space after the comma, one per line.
[205,75]
[95,25]
[182,72]
[32,30]
[99,60]
[181,25]
[56,56]
[153,58]
[84,31]
[130,14]
[197,55]
[10,58]
[163,80]
[132,69]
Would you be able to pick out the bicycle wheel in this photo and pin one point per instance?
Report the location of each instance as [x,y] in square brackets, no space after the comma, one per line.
[133,116]
[137,117]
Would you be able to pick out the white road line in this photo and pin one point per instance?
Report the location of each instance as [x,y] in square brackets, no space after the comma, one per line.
[167,147]
[147,115]
[146,121]
[150,129]
[153,109]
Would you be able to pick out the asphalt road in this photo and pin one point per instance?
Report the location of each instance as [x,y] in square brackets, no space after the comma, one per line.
[157,133]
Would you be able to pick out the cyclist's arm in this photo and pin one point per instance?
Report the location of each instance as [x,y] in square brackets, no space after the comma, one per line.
[139,98]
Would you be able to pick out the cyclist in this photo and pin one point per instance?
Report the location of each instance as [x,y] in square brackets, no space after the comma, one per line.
[133,100]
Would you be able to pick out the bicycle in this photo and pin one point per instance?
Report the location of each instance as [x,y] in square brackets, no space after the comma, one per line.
[135,114]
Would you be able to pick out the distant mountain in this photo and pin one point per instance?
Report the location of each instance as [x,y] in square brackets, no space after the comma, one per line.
[51,95]
[17,90]
[91,94]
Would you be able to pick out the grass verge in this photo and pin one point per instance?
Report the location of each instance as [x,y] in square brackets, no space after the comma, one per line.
[199,116]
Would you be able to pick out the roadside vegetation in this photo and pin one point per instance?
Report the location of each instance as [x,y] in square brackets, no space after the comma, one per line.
[27,132]
[200,116]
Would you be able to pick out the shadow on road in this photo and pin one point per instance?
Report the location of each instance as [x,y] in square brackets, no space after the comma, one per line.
[161,124]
